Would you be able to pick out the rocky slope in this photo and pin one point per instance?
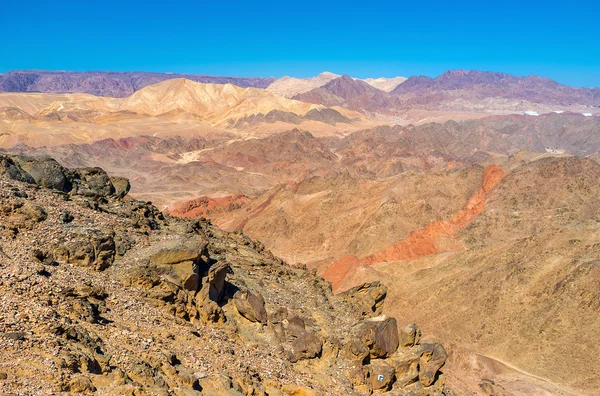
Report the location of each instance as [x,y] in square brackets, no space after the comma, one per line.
[113,84]
[104,294]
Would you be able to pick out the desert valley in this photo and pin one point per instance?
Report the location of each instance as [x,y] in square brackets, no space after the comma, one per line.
[178,234]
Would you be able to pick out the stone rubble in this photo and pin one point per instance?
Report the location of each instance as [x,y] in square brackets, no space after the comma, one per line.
[103,294]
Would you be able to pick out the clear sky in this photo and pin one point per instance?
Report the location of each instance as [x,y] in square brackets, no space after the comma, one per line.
[302,38]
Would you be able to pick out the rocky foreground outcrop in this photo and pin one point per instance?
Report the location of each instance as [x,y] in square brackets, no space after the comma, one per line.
[103,294]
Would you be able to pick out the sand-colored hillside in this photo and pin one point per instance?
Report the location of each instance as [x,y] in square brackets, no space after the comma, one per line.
[175,107]
[292,86]
[385,84]
[217,103]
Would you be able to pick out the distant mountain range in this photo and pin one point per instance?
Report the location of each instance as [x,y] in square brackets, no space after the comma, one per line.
[453,90]
[292,86]
[447,91]
[473,83]
[118,85]
[123,84]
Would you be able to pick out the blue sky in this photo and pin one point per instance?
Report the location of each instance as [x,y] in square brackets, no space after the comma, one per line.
[268,38]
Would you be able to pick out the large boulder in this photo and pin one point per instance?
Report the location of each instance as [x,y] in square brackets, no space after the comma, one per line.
[121,186]
[420,362]
[381,336]
[90,182]
[356,351]
[409,335]
[303,343]
[381,375]
[180,265]
[432,359]
[368,298]
[95,248]
[174,256]
[359,377]
[306,346]
[251,306]
[46,172]
[212,292]
[214,282]
[13,170]
[406,368]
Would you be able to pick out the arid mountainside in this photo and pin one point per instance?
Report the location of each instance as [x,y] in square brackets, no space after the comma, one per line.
[118,85]
[332,216]
[526,278]
[206,207]
[103,294]
[467,140]
[533,224]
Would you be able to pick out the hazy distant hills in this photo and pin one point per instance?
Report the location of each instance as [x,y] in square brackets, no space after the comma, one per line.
[455,90]
[113,84]
[123,84]
[472,83]
[292,86]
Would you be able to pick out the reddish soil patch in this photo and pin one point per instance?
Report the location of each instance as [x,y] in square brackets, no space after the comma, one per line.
[204,206]
[423,242]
